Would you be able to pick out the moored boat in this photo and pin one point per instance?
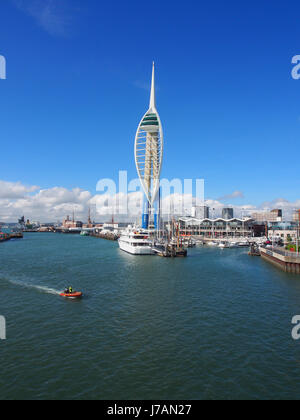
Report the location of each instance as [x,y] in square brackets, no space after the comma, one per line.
[136,242]
[223,245]
[4,237]
[212,243]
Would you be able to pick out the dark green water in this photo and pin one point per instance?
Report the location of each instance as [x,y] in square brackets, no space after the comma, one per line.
[214,325]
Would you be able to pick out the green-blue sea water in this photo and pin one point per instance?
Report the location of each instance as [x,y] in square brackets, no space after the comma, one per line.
[216,325]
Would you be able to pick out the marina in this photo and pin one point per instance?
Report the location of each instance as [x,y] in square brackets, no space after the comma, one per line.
[147,327]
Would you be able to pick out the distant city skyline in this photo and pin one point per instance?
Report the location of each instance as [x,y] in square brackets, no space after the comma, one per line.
[75,85]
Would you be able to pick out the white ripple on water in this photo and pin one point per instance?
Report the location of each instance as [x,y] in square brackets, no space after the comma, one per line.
[43,289]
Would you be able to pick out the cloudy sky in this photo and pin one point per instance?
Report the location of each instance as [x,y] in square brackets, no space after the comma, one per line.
[53,204]
[78,78]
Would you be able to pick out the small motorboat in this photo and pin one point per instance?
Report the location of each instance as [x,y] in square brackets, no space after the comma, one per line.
[71,295]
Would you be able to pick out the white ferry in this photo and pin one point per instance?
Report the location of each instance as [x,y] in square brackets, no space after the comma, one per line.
[136,241]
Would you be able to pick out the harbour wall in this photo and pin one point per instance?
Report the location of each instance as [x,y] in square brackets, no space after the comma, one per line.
[107,236]
[283,260]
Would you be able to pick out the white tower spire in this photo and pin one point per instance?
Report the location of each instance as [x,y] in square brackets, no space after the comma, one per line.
[152,96]
[149,148]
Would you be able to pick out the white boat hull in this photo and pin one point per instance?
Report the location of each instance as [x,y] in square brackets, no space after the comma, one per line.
[135,250]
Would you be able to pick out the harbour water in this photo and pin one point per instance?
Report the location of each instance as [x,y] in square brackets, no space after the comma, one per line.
[216,325]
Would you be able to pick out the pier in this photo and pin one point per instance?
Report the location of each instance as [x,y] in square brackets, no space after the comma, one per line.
[16,235]
[285,260]
[6,236]
[104,234]
[170,251]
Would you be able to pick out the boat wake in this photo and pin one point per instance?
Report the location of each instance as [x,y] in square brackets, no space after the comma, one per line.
[42,289]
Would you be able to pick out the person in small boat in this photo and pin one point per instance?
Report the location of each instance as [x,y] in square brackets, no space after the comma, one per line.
[69,290]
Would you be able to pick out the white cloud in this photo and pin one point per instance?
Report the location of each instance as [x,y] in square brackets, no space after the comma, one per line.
[288,207]
[51,15]
[118,204]
[13,190]
[232,196]
[44,205]
[142,85]
[53,204]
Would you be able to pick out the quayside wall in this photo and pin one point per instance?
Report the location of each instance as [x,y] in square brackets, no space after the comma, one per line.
[286,261]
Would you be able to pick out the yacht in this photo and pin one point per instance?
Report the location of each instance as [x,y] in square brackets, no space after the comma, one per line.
[211,243]
[244,243]
[223,245]
[136,241]
[233,244]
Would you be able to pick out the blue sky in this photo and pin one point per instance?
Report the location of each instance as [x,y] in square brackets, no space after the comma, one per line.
[78,80]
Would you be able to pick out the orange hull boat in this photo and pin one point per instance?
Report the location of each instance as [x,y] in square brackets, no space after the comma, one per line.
[74,295]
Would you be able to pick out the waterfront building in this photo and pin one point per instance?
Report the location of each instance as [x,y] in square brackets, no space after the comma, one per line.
[260,229]
[227,213]
[268,216]
[71,224]
[148,158]
[285,231]
[296,216]
[115,227]
[217,228]
[200,212]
